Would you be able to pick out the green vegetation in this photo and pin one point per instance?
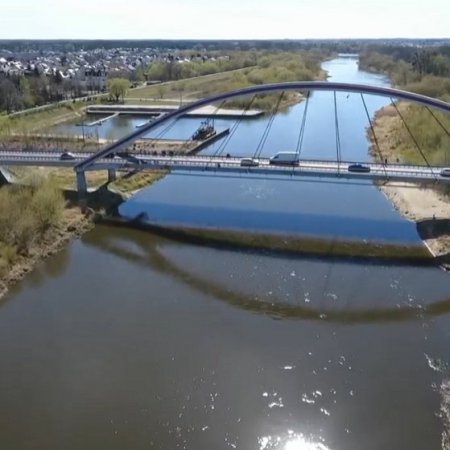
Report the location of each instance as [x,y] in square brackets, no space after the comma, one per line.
[425,71]
[27,216]
[19,92]
[129,184]
[118,88]
[269,67]
[170,71]
[37,121]
[431,138]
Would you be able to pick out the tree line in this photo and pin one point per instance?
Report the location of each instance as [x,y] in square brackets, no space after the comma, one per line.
[19,92]
[424,70]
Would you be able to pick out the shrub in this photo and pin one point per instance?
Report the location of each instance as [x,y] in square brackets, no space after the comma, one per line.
[26,213]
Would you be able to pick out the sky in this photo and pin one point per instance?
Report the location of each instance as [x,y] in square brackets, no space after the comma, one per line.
[223,19]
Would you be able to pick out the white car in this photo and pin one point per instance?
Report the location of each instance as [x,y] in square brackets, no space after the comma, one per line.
[249,162]
[445,172]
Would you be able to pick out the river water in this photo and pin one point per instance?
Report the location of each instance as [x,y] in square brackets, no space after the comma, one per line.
[129,340]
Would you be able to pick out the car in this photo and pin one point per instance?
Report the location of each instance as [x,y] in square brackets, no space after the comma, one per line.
[66,156]
[445,172]
[358,168]
[285,159]
[249,162]
[134,160]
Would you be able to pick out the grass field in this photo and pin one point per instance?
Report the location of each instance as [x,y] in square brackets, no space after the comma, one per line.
[271,68]
[194,87]
[39,120]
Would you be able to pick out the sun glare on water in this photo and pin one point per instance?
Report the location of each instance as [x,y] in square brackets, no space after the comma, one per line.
[299,443]
[291,442]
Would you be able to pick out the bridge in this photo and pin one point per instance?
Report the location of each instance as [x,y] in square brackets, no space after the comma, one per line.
[216,164]
[105,158]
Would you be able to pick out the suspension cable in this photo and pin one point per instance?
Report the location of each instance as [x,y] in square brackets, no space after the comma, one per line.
[235,126]
[374,135]
[165,130]
[338,138]
[438,121]
[412,137]
[301,133]
[266,132]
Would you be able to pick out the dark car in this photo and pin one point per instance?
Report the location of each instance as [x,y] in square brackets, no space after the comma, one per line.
[66,156]
[358,168]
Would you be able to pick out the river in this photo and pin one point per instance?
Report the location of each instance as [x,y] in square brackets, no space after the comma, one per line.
[130,340]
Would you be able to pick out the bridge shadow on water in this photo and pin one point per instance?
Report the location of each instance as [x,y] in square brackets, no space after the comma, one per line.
[149,254]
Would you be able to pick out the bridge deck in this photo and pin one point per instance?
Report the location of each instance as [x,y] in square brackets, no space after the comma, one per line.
[208,164]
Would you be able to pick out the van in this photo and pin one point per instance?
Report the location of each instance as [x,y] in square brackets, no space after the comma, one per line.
[285,158]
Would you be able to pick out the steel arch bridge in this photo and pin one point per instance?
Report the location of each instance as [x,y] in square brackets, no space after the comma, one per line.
[410,173]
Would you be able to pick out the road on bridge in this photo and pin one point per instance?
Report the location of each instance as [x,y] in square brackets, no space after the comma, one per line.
[312,168]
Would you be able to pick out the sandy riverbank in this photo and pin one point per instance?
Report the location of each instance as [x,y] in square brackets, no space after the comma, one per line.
[428,207]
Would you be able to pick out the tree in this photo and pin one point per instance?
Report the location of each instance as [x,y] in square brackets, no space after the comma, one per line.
[421,62]
[10,98]
[161,89]
[25,90]
[156,72]
[140,74]
[180,87]
[118,88]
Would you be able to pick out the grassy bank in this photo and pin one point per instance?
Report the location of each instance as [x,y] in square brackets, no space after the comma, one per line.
[425,72]
[39,216]
[27,215]
[65,180]
[34,222]
[271,67]
[428,206]
[38,120]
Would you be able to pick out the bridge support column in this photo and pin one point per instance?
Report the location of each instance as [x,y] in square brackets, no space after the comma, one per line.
[111,175]
[81,184]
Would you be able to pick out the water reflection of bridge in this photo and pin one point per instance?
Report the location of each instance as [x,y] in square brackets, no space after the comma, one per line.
[146,251]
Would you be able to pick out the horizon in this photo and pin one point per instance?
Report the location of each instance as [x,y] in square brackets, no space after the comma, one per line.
[235,20]
[131,39]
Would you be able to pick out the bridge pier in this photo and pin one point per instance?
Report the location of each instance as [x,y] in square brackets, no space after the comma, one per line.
[112,176]
[81,184]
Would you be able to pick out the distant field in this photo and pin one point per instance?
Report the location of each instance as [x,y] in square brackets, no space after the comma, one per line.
[192,87]
[271,68]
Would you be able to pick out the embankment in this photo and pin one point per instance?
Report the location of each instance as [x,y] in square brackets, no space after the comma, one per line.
[70,222]
[73,224]
[428,207]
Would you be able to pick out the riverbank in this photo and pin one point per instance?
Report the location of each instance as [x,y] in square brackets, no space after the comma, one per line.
[73,224]
[428,207]
[75,220]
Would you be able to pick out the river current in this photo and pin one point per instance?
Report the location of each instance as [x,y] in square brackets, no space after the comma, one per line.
[129,340]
